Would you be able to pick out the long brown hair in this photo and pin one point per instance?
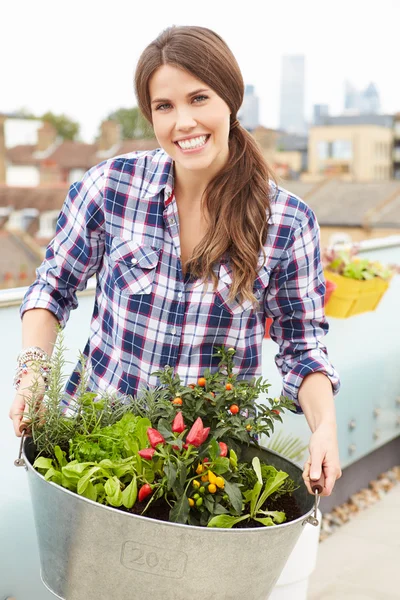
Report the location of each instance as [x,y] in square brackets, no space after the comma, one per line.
[237,199]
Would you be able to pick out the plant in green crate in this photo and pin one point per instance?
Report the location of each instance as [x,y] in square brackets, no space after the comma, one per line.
[172,453]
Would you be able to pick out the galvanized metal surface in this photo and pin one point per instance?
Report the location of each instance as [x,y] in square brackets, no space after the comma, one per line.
[93,552]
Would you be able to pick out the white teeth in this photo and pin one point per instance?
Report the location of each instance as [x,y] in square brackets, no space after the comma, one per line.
[193,143]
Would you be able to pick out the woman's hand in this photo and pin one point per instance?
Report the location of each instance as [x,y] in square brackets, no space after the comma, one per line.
[23,399]
[324,458]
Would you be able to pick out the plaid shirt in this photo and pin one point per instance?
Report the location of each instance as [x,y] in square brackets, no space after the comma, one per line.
[121,224]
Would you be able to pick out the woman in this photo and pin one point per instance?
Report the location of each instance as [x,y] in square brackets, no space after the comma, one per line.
[157,227]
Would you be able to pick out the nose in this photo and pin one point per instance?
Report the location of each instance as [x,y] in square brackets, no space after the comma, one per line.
[185,120]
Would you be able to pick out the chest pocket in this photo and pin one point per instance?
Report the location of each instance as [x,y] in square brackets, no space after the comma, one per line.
[133,266]
[224,286]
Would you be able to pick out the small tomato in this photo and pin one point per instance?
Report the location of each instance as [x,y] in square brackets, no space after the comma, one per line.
[201,382]
[229,386]
[234,409]
[177,401]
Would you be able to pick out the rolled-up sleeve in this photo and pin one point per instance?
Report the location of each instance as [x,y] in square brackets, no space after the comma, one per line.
[75,252]
[295,301]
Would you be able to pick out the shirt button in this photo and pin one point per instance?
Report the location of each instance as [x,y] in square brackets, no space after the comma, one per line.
[173,331]
[134,261]
[180,294]
[172,221]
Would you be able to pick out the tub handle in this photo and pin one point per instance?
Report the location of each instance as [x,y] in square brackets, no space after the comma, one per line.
[19,462]
[317,486]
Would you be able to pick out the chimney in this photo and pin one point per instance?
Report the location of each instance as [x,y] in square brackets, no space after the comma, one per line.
[47,136]
[2,150]
[110,135]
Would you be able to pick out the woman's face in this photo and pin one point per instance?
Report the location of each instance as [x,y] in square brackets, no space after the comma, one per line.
[191,122]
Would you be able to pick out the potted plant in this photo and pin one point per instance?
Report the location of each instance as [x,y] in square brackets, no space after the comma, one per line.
[360,283]
[171,484]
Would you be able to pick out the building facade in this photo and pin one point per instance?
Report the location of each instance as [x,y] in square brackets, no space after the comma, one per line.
[292,94]
[249,113]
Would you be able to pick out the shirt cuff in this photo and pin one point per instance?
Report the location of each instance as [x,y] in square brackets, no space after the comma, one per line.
[42,299]
[294,378]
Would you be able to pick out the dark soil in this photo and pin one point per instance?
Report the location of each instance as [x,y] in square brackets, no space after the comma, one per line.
[286,503]
[160,510]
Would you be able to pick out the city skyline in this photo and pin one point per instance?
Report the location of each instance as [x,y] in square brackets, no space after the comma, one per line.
[83,64]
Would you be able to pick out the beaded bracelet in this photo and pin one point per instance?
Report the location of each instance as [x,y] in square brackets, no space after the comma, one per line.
[34,354]
[44,371]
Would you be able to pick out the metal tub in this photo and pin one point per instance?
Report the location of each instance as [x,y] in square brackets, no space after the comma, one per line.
[93,552]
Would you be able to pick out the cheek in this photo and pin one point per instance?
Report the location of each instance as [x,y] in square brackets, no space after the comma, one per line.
[160,127]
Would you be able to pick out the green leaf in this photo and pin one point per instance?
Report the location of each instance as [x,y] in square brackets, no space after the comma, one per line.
[221,465]
[113,492]
[129,495]
[60,456]
[234,495]
[257,468]
[85,479]
[271,486]
[276,515]
[180,511]
[233,459]
[54,476]
[124,469]
[43,463]
[90,492]
[267,521]
[214,449]
[254,497]
[165,429]
[220,510]
[226,521]
[76,470]
[171,473]
[141,431]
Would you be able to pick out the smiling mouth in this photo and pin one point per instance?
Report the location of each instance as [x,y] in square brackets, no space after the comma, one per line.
[193,143]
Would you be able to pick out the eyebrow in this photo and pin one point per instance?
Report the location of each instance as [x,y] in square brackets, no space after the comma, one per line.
[156,100]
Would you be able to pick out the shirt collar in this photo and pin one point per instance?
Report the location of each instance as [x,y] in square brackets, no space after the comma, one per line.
[159,176]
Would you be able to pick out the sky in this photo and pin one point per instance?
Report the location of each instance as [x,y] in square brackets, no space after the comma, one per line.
[79,57]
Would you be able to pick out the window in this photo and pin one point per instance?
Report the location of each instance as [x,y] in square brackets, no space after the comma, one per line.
[342,149]
[324,150]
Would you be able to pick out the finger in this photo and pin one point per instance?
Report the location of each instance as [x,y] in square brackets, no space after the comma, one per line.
[317,460]
[332,474]
[306,476]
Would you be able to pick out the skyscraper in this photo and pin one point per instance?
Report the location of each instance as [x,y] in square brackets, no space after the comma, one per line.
[292,94]
[365,102]
[249,111]
[320,111]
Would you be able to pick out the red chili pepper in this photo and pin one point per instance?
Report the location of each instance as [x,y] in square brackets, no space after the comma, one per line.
[276,411]
[147,453]
[223,448]
[155,437]
[178,424]
[144,492]
[197,434]
[204,434]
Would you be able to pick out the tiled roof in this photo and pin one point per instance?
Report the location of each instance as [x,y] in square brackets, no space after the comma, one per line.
[340,203]
[41,197]
[22,155]
[19,257]
[71,155]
